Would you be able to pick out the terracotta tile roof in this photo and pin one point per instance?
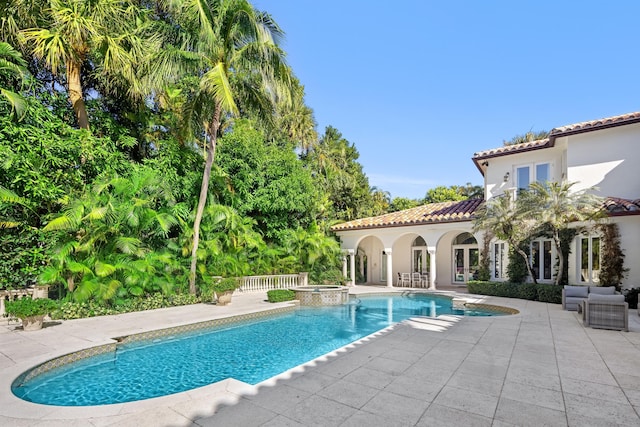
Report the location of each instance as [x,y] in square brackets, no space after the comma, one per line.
[525,146]
[426,214]
[620,120]
[444,212]
[619,207]
[591,125]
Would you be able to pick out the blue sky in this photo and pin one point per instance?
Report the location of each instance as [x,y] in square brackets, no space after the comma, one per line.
[419,86]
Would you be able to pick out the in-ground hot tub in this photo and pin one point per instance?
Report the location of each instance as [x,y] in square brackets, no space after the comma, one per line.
[322,295]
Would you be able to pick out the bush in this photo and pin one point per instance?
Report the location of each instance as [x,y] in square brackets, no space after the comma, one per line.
[550,293]
[27,307]
[74,310]
[528,291]
[280,295]
[631,297]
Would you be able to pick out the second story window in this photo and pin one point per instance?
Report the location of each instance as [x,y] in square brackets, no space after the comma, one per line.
[526,174]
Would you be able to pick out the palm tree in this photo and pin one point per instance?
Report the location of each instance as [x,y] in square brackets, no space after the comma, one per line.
[71,35]
[527,137]
[508,220]
[554,205]
[235,50]
[12,67]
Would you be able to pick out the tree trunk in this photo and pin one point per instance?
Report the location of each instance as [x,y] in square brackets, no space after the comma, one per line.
[75,94]
[204,191]
[556,240]
[524,255]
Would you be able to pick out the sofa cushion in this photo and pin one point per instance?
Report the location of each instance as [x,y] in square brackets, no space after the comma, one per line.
[576,291]
[605,298]
[602,290]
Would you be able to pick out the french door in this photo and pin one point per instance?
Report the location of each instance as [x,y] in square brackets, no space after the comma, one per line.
[466,263]
[420,260]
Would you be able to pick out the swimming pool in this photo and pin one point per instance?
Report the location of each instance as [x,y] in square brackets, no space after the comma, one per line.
[247,351]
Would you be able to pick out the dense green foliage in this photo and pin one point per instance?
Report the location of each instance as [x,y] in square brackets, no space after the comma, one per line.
[528,291]
[27,307]
[612,270]
[77,310]
[280,295]
[148,147]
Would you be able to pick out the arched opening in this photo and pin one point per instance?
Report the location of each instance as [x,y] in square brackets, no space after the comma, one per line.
[466,258]
[419,256]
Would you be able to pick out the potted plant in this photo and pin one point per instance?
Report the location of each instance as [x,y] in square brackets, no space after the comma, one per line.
[30,311]
[223,289]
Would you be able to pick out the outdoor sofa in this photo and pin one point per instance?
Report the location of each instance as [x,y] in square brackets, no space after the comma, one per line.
[606,312]
[572,296]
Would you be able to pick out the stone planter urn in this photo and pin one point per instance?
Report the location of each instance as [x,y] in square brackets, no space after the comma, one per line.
[32,323]
[224,298]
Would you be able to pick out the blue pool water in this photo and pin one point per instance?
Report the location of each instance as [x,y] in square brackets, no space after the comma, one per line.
[250,352]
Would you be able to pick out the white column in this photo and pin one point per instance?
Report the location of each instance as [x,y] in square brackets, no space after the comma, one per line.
[389,268]
[352,259]
[344,265]
[432,268]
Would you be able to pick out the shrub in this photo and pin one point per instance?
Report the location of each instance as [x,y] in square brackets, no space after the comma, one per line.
[27,307]
[280,295]
[550,293]
[528,291]
[74,310]
[631,297]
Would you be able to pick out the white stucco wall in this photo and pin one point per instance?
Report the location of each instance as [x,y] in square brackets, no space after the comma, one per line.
[500,166]
[629,227]
[608,159]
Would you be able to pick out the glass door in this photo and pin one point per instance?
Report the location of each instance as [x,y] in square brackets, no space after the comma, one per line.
[466,264]
[420,260]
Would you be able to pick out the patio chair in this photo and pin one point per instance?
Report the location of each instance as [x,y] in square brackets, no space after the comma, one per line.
[416,280]
[606,312]
[404,279]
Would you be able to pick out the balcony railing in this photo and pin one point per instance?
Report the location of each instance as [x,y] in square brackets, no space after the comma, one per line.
[267,283]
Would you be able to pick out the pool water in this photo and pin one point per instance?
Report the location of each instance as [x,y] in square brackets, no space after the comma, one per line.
[248,351]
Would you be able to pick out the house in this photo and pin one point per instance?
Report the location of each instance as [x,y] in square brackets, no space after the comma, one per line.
[602,156]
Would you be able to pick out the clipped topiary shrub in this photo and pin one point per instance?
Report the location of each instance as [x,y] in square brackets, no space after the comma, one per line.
[528,291]
[550,293]
[280,295]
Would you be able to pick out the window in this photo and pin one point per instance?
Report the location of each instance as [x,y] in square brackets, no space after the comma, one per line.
[590,259]
[542,255]
[523,176]
[499,256]
[527,174]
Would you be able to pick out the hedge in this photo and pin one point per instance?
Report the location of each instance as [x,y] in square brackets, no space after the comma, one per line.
[529,291]
[280,295]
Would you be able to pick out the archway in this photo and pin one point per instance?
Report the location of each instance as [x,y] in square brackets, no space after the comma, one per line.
[466,258]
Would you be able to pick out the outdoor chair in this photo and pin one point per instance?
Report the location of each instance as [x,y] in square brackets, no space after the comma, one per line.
[606,312]
[416,280]
[404,279]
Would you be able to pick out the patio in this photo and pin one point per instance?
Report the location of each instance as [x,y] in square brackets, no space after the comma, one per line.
[539,367]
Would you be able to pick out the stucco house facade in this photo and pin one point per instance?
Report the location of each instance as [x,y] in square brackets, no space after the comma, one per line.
[437,240]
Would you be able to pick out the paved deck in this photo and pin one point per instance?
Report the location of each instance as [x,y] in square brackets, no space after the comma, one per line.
[539,367]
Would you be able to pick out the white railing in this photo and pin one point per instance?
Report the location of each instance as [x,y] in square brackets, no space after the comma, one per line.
[266,283]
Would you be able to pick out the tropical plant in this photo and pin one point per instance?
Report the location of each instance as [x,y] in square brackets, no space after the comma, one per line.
[28,307]
[443,194]
[234,50]
[555,206]
[107,239]
[529,136]
[73,36]
[12,69]
[509,221]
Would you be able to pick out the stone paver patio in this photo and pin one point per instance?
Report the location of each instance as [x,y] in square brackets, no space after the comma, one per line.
[539,367]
